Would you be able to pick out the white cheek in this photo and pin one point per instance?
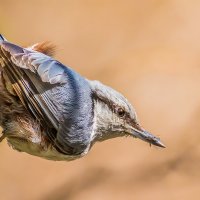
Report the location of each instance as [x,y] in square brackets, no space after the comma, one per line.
[103,112]
[103,116]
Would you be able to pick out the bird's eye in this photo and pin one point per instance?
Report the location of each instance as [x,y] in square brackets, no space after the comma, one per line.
[120,112]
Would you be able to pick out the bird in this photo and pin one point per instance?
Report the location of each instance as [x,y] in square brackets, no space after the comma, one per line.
[49,110]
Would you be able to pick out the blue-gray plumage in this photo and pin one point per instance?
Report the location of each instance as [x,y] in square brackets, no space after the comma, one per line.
[54,112]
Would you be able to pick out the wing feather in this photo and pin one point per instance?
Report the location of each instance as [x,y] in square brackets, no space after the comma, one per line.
[32,75]
[54,94]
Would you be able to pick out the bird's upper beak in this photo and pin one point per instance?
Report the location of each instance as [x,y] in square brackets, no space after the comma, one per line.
[147,137]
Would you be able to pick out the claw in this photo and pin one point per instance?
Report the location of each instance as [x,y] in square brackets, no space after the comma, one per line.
[2,136]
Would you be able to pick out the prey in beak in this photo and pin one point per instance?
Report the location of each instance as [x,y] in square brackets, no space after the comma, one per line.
[147,137]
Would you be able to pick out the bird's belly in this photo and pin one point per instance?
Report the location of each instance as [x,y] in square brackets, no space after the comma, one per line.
[24,134]
[46,151]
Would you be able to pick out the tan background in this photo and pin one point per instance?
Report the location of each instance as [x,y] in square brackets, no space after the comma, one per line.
[147,49]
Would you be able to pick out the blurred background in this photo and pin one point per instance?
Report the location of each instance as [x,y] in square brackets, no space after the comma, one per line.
[147,49]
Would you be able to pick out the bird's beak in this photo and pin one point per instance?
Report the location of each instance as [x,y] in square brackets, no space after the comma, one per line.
[147,137]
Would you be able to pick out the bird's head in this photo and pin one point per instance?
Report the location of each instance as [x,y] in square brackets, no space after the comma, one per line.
[114,116]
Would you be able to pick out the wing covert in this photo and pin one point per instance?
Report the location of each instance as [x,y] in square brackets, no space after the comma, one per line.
[33,75]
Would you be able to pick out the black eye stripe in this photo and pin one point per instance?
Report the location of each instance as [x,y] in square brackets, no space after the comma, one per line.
[113,107]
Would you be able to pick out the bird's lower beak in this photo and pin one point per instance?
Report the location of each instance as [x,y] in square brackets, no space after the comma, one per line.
[147,137]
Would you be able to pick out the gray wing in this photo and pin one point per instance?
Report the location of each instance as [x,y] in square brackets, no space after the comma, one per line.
[33,76]
[56,95]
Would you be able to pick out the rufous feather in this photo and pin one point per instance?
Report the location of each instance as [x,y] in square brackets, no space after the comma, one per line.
[44,47]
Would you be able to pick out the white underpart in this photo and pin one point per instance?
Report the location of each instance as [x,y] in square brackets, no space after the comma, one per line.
[34,147]
[92,136]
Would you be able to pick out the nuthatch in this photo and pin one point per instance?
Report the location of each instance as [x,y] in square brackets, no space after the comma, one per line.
[49,110]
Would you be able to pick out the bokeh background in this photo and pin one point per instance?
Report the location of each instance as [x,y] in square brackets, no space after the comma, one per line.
[147,49]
